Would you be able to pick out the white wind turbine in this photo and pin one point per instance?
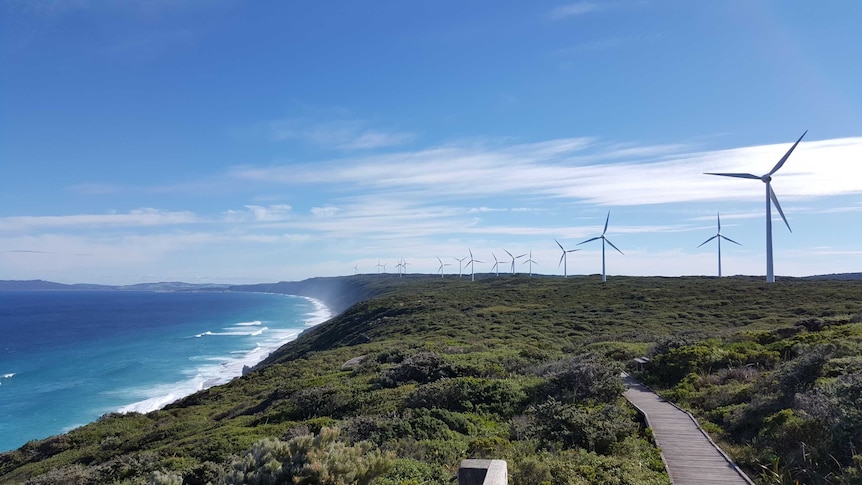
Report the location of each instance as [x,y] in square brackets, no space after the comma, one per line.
[530,260]
[472,266]
[563,258]
[604,240]
[513,259]
[355,269]
[719,236]
[496,267]
[380,266]
[442,264]
[460,260]
[403,267]
[770,197]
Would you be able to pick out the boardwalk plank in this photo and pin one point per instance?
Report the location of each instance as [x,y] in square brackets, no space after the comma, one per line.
[690,457]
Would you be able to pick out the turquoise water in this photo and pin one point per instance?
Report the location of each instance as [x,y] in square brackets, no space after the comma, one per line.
[67,357]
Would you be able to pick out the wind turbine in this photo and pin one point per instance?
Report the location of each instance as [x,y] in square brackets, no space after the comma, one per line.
[563,258]
[496,267]
[380,266]
[460,260]
[403,265]
[355,269]
[530,260]
[770,196]
[513,259]
[604,240]
[472,266]
[440,269]
[719,236]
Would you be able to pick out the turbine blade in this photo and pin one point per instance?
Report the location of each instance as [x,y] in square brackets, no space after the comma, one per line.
[737,175]
[612,245]
[572,250]
[710,239]
[561,259]
[606,223]
[589,240]
[558,244]
[510,254]
[784,158]
[718,216]
[778,206]
[731,240]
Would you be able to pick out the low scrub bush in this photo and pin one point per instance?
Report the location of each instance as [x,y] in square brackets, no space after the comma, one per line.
[312,460]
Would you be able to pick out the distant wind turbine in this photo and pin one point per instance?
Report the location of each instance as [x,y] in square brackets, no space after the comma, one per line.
[530,260]
[770,196]
[460,260]
[604,240]
[355,269]
[563,258]
[513,259]
[472,266]
[442,264]
[380,266]
[496,267]
[402,264]
[719,237]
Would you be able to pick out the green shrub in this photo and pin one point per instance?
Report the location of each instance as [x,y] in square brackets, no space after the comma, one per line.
[311,460]
[420,368]
[165,478]
[593,428]
[585,377]
[469,394]
[412,472]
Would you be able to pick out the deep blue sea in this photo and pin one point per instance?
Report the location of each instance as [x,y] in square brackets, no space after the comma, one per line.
[67,357]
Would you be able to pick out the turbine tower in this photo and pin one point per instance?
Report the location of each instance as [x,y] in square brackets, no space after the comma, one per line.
[530,260]
[379,266]
[460,260]
[563,258]
[513,259]
[719,237]
[604,240]
[442,264]
[472,266]
[770,197]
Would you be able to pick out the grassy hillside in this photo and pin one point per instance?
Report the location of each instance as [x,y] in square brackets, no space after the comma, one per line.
[512,367]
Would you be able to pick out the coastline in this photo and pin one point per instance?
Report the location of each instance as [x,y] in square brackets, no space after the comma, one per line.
[225,371]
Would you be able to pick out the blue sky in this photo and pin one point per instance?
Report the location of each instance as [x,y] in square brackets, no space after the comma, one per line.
[229,141]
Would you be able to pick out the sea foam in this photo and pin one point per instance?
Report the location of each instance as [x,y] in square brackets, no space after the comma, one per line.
[219,370]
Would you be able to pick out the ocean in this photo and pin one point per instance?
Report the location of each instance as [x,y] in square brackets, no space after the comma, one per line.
[68,357]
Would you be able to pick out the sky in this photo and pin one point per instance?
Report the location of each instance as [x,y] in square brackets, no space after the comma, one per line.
[223,141]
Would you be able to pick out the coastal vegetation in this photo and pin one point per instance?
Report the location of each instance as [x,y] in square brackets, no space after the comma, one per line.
[518,368]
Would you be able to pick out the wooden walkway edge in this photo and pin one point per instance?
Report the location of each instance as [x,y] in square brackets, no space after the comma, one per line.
[689,454]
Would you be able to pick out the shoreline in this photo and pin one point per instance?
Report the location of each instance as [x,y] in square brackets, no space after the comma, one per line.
[227,370]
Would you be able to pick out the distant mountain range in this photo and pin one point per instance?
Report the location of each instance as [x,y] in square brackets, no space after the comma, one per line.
[309,286]
[50,285]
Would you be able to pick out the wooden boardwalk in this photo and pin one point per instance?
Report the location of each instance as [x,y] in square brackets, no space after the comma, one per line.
[690,456]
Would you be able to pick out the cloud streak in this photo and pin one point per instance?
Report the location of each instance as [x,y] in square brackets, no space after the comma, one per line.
[585,171]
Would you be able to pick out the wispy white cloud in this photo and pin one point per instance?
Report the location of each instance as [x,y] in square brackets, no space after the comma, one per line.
[586,171]
[140,217]
[574,10]
[341,134]
[258,213]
